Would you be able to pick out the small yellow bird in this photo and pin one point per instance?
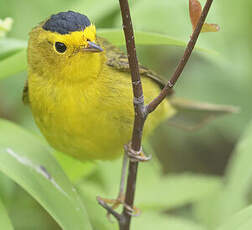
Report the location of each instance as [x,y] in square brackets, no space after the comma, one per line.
[79,89]
[80,93]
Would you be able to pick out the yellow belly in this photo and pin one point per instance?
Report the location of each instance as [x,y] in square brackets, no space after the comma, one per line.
[91,120]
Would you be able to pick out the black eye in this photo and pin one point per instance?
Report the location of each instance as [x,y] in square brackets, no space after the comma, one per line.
[60,47]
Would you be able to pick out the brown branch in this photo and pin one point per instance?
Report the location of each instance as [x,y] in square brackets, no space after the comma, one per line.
[141,111]
[138,107]
[167,89]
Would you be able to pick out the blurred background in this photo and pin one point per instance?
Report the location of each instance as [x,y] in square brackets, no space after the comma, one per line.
[223,78]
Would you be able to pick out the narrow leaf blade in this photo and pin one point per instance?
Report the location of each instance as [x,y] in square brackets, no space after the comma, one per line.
[5,222]
[192,114]
[13,64]
[240,221]
[116,37]
[10,46]
[237,194]
[27,161]
[153,220]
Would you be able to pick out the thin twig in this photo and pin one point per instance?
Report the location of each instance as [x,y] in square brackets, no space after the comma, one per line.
[153,105]
[141,111]
[109,209]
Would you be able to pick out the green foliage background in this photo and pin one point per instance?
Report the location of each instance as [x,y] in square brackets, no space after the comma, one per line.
[204,180]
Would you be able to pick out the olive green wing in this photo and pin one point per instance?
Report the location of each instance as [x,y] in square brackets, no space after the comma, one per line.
[119,60]
[26,93]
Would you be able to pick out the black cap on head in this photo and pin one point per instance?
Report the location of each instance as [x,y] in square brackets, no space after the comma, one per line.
[66,22]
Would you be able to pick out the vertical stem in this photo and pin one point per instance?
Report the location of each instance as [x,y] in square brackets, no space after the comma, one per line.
[138,107]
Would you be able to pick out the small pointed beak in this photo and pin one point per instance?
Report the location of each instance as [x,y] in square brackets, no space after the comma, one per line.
[92,47]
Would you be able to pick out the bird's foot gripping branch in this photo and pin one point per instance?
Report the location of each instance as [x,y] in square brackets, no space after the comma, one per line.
[124,218]
[136,156]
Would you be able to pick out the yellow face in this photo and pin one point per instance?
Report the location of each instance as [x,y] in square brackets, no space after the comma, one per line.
[66,56]
[74,41]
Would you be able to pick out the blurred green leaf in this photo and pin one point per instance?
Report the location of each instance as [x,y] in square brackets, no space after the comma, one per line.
[10,46]
[5,222]
[240,221]
[206,210]
[96,10]
[7,189]
[153,220]
[88,192]
[238,178]
[74,168]
[192,114]
[173,190]
[116,37]
[25,206]
[28,162]
[13,64]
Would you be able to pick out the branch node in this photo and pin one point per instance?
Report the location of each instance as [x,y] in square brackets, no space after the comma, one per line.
[138,100]
[109,209]
[170,84]
[136,82]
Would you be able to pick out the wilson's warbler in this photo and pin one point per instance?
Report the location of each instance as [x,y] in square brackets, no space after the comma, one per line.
[79,89]
[80,93]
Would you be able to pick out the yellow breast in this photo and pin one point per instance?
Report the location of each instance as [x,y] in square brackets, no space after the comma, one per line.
[90,120]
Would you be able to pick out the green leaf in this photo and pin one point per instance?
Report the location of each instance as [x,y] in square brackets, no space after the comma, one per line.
[192,114]
[206,210]
[8,189]
[240,221]
[11,46]
[23,207]
[13,64]
[154,220]
[116,37]
[237,194]
[88,192]
[27,161]
[97,10]
[173,190]
[5,222]
[74,168]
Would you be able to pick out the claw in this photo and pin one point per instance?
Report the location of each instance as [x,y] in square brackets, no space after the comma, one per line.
[133,211]
[136,156]
[115,203]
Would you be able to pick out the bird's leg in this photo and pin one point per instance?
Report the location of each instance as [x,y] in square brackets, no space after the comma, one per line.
[123,175]
[121,196]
